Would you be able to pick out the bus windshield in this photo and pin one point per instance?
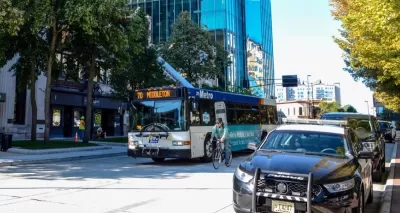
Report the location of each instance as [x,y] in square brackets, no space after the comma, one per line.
[159,115]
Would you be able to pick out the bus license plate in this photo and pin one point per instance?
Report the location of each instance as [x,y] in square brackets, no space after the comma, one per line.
[281,206]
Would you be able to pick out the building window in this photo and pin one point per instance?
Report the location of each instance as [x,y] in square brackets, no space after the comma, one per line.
[56,117]
[77,117]
[294,111]
[288,111]
[300,110]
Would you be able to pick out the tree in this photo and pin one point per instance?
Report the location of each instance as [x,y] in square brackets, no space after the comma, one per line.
[348,108]
[11,17]
[96,39]
[325,106]
[30,46]
[370,40]
[192,51]
[141,69]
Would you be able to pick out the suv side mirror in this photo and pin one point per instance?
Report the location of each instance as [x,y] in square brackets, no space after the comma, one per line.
[252,146]
[365,155]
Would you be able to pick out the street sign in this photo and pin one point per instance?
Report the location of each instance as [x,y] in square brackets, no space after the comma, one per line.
[289,81]
[2,97]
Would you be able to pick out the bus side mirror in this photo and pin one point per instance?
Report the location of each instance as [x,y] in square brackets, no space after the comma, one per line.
[194,106]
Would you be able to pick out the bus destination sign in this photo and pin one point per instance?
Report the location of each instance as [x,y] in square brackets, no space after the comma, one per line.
[156,94]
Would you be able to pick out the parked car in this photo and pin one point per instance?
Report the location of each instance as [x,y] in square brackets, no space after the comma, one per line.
[388,129]
[305,168]
[367,129]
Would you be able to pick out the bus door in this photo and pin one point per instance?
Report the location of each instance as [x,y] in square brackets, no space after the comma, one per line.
[220,111]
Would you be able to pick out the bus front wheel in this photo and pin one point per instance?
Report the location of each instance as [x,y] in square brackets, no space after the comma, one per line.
[208,150]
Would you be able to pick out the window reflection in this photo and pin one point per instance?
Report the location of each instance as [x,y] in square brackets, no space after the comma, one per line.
[166,114]
[56,117]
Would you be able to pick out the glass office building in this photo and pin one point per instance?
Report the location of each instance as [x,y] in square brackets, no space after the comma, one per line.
[235,22]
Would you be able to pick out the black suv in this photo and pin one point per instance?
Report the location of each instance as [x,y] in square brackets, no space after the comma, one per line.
[367,129]
[305,169]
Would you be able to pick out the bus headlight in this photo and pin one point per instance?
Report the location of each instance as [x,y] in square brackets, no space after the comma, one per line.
[177,143]
[180,143]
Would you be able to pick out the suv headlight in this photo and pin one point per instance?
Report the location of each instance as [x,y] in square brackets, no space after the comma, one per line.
[243,176]
[340,187]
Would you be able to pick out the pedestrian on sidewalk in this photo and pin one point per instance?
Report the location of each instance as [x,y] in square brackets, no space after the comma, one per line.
[82,128]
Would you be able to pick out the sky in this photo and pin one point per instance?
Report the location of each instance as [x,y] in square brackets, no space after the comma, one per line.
[303,45]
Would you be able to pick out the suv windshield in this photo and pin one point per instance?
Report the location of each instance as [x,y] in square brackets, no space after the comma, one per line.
[166,115]
[383,124]
[320,143]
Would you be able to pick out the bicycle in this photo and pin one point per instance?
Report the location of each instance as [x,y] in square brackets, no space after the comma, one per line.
[218,155]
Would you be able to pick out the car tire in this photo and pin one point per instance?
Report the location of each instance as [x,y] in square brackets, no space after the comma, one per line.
[371,194]
[157,160]
[377,176]
[360,207]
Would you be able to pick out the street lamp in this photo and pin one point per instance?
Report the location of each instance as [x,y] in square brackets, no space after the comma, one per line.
[367,106]
[308,96]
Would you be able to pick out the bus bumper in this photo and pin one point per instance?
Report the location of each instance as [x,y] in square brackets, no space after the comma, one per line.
[159,153]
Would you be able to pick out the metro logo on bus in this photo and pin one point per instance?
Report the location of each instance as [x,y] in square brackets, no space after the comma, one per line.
[206,95]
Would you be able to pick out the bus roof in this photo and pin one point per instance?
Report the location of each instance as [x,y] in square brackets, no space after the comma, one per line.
[227,96]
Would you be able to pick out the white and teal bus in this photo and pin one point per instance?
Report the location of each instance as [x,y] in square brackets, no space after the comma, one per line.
[177,122]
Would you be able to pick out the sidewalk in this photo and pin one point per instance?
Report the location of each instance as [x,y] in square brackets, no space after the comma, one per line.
[10,159]
[395,183]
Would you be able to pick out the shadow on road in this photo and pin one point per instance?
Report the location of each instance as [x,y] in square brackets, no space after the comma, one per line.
[190,162]
[117,168]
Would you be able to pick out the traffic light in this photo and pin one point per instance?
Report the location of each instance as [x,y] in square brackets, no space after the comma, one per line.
[289,81]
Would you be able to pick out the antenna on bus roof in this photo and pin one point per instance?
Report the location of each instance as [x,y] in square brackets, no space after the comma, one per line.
[175,75]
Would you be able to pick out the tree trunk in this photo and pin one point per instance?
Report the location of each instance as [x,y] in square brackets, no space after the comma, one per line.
[89,104]
[33,101]
[47,117]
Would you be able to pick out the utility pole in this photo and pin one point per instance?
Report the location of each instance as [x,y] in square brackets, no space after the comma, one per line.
[308,96]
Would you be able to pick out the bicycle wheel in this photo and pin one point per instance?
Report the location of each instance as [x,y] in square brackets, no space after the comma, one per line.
[230,158]
[217,158]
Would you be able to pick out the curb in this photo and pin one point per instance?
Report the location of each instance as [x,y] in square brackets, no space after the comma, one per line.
[42,161]
[55,151]
[109,143]
[386,200]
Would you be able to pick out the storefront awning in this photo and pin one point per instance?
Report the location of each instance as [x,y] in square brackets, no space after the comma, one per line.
[2,97]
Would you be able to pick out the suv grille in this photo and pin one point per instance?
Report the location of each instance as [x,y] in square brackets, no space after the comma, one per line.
[293,188]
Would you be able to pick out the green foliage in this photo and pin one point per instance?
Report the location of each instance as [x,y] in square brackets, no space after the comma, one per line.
[183,50]
[11,17]
[96,40]
[348,108]
[141,69]
[371,42]
[325,106]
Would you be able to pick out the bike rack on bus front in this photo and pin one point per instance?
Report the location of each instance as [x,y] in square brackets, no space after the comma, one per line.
[310,181]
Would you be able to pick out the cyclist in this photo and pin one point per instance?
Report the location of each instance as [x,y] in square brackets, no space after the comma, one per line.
[220,131]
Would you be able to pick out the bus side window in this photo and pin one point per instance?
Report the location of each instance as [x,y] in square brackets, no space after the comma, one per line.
[264,114]
[207,107]
[272,115]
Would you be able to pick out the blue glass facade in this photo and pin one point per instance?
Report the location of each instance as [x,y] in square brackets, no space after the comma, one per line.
[234,22]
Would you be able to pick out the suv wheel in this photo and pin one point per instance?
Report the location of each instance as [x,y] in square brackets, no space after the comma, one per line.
[377,176]
[360,207]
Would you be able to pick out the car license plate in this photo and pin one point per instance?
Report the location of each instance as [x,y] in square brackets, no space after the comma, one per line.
[282,206]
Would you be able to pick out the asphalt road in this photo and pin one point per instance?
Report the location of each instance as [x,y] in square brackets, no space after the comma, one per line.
[123,184]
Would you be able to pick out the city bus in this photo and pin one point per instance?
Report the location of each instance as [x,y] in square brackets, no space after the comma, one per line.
[176,122]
